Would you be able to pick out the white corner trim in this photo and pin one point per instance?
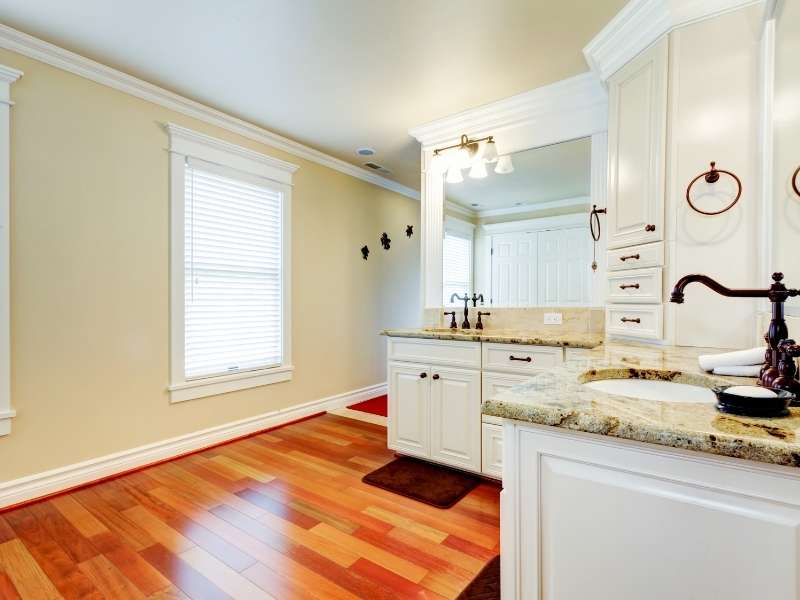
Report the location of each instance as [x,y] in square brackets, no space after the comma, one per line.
[568,95]
[63,478]
[455,208]
[50,54]
[202,388]
[542,224]
[192,143]
[641,23]
[532,208]
[7,77]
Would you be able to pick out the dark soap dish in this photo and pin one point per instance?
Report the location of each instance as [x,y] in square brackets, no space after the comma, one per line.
[749,406]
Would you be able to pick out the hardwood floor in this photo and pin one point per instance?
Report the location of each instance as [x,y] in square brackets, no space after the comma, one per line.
[279,515]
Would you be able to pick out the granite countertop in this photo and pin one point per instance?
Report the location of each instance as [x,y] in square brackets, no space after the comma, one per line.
[557,398]
[502,336]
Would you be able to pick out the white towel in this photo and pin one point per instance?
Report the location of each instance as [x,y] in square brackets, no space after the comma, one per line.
[754,356]
[739,371]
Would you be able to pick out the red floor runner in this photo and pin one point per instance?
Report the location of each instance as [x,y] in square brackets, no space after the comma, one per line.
[375,406]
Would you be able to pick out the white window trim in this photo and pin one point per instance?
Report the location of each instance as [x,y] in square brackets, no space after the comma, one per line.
[7,77]
[187,143]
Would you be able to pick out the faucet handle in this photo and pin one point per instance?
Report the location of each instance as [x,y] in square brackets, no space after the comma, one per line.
[789,348]
[453,324]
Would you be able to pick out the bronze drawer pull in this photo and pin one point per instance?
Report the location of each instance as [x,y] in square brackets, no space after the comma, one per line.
[794,181]
[627,320]
[649,227]
[633,256]
[526,359]
[625,286]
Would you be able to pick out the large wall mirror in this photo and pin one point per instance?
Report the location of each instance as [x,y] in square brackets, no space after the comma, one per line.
[785,207]
[520,234]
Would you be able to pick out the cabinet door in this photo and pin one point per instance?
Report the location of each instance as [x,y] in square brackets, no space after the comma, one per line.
[409,408]
[637,96]
[456,417]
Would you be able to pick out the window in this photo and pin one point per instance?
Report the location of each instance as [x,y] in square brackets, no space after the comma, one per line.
[456,259]
[230,309]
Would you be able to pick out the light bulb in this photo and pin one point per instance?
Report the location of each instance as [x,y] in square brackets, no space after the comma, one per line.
[462,159]
[438,164]
[504,165]
[490,152]
[454,175]
[478,170]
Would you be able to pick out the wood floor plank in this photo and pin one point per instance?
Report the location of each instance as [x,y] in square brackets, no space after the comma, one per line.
[29,580]
[184,576]
[282,514]
[108,579]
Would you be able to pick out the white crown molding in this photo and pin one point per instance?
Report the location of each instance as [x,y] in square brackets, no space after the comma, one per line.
[541,224]
[48,53]
[57,480]
[455,208]
[643,22]
[532,208]
[582,92]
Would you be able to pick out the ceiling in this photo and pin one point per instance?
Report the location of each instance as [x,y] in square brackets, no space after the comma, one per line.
[556,172]
[334,75]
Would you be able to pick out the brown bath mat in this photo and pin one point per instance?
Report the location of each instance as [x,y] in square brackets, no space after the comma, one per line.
[423,481]
[486,585]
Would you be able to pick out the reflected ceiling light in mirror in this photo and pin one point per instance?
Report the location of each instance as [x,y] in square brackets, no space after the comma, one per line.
[454,175]
[478,170]
[504,165]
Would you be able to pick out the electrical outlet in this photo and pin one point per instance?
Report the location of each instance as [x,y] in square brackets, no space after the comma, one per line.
[553,318]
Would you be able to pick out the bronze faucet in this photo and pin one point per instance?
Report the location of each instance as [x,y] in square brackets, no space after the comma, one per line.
[466,299]
[779,368]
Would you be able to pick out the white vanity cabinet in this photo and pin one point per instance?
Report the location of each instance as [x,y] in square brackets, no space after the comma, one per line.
[436,388]
[681,524]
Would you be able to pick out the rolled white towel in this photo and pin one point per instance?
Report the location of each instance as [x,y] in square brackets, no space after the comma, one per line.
[754,356]
[738,371]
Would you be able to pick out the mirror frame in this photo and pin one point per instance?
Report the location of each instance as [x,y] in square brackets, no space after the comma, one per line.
[567,110]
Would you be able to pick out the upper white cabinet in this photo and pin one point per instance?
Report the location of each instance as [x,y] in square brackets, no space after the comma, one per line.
[636,142]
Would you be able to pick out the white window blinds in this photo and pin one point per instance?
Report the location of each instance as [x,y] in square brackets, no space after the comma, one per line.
[232,271]
[457,266]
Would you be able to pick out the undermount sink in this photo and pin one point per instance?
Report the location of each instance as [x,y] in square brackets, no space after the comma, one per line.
[648,389]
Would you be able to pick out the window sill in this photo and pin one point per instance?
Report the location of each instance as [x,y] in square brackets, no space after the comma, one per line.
[191,390]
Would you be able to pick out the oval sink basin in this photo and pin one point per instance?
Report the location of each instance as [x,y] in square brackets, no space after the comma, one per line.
[646,389]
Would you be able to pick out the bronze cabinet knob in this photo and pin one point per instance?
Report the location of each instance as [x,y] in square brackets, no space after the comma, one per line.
[436,377]
[423,375]
[649,227]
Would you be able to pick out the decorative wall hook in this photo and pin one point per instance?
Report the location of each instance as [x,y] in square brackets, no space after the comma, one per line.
[385,241]
[712,176]
[409,230]
[365,252]
[794,181]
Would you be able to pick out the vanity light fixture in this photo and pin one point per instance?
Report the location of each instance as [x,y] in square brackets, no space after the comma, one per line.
[469,154]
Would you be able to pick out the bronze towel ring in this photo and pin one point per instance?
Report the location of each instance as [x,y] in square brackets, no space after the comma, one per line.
[794,181]
[712,176]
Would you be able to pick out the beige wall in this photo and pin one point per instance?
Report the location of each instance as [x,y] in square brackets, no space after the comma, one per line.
[90,329]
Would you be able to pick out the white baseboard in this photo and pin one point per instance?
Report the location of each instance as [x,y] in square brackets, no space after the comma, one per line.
[56,480]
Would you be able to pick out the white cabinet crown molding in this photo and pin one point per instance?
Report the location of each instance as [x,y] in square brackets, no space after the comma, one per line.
[7,77]
[50,54]
[579,94]
[643,22]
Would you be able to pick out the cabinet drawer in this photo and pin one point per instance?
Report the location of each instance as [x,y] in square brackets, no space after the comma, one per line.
[496,383]
[513,358]
[492,450]
[639,286]
[576,354]
[635,320]
[636,257]
[439,352]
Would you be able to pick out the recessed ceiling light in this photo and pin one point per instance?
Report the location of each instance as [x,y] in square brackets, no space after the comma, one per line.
[475,205]
[518,204]
[365,151]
